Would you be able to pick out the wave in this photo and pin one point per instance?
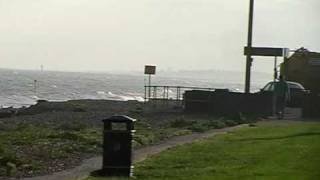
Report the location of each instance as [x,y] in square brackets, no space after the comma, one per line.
[18,89]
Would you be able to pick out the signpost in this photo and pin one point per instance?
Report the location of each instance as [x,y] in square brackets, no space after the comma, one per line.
[149,70]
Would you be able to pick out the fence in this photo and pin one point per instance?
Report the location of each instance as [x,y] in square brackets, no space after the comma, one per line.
[222,102]
[168,92]
[311,106]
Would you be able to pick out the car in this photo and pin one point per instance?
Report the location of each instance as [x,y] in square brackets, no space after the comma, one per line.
[297,92]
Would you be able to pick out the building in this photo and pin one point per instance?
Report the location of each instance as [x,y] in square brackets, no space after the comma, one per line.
[303,66]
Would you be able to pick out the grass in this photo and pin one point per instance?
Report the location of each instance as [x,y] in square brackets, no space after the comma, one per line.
[28,148]
[267,151]
[40,147]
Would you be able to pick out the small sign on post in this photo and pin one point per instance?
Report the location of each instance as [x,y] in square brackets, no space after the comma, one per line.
[149,70]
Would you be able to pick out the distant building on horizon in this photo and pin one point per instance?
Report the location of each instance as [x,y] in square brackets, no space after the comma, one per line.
[303,66]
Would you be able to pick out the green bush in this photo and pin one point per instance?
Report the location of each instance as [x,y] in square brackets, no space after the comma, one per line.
[231,123]
[217,124]
[181,122]
[198,127]
[8,156]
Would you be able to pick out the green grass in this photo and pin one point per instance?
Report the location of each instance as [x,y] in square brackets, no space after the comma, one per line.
[28,147]
[37,147]
[268,151]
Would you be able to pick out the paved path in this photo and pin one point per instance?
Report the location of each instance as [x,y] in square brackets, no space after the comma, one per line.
[141,154]
[290,114]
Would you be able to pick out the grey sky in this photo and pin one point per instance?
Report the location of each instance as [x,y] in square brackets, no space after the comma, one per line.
[103,35]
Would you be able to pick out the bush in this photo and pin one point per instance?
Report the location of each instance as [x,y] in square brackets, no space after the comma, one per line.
[198,127]
[217,124]
[181,122]
[231,123]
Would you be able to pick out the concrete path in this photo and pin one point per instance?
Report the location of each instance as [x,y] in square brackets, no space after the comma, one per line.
[290,114]
[95,163]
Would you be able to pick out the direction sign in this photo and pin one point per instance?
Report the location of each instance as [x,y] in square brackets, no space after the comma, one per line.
[264,51]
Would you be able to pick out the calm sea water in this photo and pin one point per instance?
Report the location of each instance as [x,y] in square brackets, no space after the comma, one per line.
[18,87]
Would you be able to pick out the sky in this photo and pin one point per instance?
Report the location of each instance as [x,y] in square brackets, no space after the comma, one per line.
[124,35]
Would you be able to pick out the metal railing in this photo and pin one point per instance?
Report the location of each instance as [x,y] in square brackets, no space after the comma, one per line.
[169,92]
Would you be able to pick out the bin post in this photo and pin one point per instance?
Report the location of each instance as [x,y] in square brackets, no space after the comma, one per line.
[117,146]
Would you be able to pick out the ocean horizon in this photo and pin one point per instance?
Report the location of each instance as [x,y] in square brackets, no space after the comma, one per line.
[24,87]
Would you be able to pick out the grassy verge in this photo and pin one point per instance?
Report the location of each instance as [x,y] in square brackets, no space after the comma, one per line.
[36,148]
[268,151]
[28,149]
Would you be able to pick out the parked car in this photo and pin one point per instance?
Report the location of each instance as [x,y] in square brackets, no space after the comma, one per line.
[297,92]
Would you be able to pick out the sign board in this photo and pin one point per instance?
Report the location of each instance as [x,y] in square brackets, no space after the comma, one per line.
[149,69]
[264,51]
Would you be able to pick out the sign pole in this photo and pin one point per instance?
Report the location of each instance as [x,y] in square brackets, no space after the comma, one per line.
[274,102]
[149,90]
[249,45]
[275,68]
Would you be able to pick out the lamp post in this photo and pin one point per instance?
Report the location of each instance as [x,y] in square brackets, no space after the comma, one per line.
[249,45]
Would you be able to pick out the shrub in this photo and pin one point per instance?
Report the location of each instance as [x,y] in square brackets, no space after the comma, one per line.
[181,122]
[231,123]
[218,124]
[198,127]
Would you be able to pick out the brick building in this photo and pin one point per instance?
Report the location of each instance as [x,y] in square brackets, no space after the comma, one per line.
[303,66]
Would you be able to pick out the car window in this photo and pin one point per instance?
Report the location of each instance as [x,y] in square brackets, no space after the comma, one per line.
[268,87]
[271,87]
[295,86]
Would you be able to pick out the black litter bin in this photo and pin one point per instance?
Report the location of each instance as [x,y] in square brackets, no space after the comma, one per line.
[117,146]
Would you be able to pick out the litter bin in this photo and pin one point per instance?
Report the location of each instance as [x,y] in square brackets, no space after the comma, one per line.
[117,146]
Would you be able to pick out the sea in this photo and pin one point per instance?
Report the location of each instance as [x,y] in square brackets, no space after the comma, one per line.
[24,87]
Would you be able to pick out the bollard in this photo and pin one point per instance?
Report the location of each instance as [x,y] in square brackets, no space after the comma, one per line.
[117,146]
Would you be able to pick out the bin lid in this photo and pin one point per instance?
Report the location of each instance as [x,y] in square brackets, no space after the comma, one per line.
[119,119]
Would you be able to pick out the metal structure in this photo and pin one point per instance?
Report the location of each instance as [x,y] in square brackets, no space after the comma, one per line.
[169,92]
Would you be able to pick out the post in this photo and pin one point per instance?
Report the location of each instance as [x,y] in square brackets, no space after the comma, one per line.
[149,89]
[274,100]
[35,86]
[145,93]
[249,45]
[164,92]
[275,69]
[155,92]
